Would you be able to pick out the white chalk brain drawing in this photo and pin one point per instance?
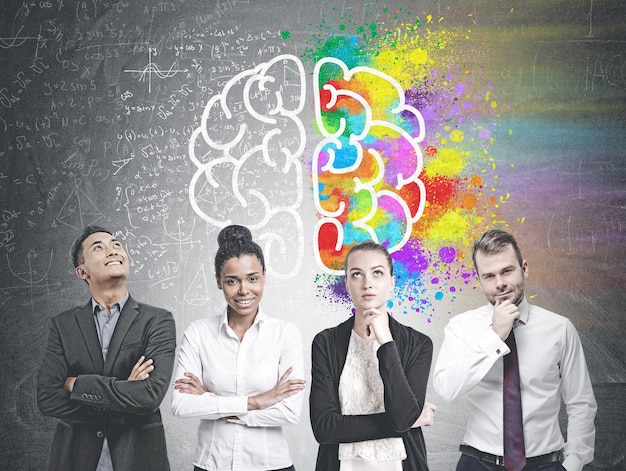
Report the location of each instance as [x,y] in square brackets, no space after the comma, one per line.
[247,153]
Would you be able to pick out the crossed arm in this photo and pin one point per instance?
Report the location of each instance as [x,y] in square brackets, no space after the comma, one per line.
[140,372]
[87,396]
[277,406]
[285,387]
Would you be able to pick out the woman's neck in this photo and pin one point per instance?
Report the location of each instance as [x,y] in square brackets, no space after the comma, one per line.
[359,325]
[240,324]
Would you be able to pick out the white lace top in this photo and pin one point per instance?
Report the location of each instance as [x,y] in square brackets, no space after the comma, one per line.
[361,392]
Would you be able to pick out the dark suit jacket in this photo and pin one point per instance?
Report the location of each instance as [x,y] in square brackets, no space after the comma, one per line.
[404,366]
[104,403]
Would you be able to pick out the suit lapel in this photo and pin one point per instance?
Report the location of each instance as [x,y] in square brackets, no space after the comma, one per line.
[127,317]
[87,326]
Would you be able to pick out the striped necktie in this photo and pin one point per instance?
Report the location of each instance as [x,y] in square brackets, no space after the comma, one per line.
[514,458]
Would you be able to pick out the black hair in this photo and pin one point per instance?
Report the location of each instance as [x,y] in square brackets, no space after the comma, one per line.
[235,241]
[373,246]
[493,242]
[76,253]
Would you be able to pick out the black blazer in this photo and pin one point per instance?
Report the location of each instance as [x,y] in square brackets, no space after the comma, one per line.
[103,402]
[404,366]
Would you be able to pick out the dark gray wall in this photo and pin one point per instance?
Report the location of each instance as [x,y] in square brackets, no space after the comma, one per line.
[99,99]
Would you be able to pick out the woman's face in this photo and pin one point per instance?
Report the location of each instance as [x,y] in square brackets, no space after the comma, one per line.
[242,281]
[369,279]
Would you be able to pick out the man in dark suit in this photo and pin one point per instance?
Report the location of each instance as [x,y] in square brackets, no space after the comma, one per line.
[106,369]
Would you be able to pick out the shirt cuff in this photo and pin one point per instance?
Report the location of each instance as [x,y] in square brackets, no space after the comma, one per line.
[493,346]
[572,463]
[235,405]
[236,420]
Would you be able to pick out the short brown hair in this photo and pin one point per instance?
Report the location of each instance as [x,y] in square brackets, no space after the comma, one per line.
[492,242]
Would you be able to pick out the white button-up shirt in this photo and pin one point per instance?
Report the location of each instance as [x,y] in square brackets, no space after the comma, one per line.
[229,436]
[552,367]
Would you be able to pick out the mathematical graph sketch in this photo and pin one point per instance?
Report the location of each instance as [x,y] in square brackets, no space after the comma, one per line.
[79,210]
[178,238]
[18,40]
[152,69]
[31,277]
[366,170]
[247,152]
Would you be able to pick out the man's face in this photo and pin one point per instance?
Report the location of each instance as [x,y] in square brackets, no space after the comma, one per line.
[103,259]
[500,275]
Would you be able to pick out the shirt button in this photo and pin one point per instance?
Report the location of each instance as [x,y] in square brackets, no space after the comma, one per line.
[498,351]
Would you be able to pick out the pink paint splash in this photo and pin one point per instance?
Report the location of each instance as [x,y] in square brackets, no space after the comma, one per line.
[405,158]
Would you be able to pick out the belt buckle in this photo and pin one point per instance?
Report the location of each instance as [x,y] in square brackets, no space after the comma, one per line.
[499,460]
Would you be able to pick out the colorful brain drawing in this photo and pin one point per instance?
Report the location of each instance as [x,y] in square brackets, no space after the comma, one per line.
[366,170]
[405,158]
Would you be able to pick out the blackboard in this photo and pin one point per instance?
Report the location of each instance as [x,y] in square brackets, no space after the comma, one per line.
[166,120]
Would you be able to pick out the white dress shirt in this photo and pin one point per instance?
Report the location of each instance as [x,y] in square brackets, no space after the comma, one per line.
[229,436]
[552,367]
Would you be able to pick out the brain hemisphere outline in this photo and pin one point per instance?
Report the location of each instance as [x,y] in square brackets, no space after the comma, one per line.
[369,158]
[246,151]
[248,146]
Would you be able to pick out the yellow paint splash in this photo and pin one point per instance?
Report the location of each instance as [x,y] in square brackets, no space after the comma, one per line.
[449,162]
[452,228]
[457,135]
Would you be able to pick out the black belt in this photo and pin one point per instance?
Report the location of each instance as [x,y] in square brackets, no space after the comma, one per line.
[498,460]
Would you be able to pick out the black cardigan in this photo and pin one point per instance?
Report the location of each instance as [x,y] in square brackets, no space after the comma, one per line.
[404,366]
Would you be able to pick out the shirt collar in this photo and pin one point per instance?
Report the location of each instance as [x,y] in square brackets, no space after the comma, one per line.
[121,303]
[524,310]
[260,317]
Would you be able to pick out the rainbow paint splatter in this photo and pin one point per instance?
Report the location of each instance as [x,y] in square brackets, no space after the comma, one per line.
[405,157]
